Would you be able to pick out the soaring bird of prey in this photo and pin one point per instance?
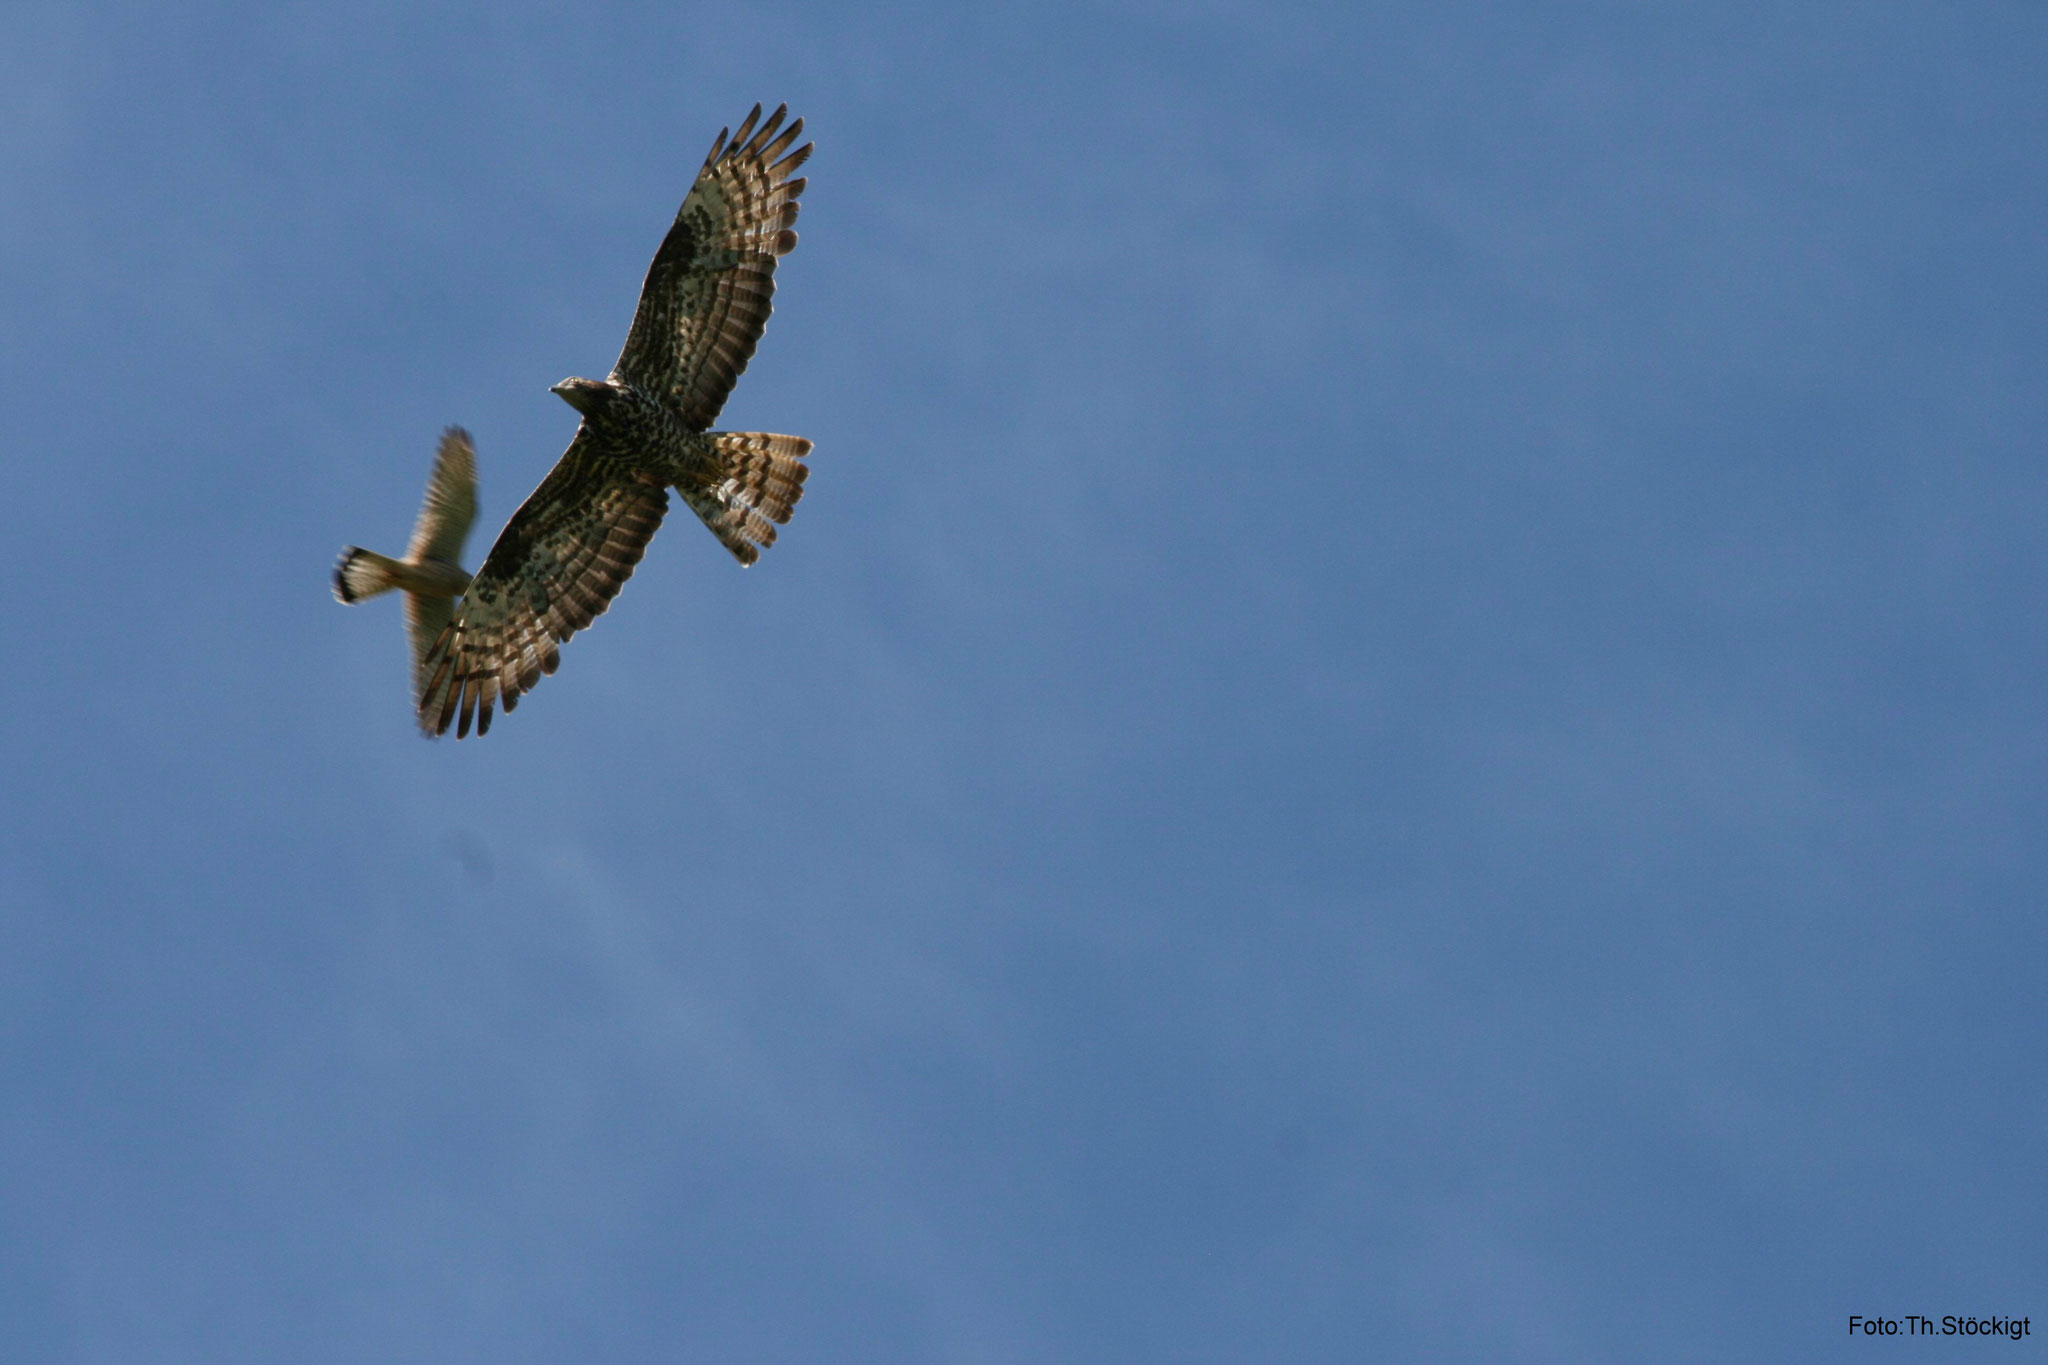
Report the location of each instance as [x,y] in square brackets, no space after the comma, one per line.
[431,574]
[569,548]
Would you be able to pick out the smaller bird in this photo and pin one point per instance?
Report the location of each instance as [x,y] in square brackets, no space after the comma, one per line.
[431,573]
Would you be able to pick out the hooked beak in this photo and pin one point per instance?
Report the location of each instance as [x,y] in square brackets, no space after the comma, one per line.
[572,392]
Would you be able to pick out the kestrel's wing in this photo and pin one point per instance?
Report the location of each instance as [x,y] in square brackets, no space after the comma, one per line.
[708,293]
[556,567]
[425,619]
[451,502]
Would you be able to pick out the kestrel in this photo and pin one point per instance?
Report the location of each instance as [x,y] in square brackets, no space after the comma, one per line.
[431,574]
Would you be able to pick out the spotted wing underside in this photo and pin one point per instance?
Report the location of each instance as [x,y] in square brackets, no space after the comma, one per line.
[555,568]
[711,287]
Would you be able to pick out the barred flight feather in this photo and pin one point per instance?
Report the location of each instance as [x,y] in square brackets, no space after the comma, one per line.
[555,569]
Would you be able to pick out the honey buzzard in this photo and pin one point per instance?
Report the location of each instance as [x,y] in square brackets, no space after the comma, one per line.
[572,545]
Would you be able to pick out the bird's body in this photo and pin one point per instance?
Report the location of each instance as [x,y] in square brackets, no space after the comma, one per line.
[431,575]
[422,578]
[635,430]
[572,544]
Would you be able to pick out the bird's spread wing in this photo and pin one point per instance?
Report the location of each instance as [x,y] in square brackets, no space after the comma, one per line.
[556,567]
[425,618]
[708,293]
[451,501]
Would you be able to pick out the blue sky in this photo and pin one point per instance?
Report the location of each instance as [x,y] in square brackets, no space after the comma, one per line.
[1404,719]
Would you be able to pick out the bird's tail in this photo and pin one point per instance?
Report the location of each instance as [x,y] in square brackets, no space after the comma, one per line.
[757,480]
[364,573]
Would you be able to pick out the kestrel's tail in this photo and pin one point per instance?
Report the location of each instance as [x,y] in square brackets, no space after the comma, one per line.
[759,478]
[364,573]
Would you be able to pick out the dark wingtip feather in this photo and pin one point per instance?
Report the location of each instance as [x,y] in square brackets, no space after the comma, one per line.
[746,130]
[767,131]
[782,169]
[447,716]
[771,150]
[711,157]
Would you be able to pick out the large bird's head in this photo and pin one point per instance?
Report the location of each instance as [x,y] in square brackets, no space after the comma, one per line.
[584,395]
